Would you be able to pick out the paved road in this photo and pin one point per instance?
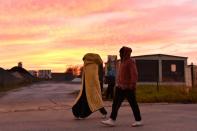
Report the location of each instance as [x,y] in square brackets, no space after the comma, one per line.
[46,107]
[38,96]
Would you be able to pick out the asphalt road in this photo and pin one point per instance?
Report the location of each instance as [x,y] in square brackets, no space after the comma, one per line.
[47,107]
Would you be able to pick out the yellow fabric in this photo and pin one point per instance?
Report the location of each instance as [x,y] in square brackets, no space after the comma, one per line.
[92,58]
[92,84]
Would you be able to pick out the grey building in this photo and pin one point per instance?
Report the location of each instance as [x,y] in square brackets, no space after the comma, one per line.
[161,68]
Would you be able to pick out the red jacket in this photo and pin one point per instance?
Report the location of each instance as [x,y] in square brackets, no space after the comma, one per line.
[127,75]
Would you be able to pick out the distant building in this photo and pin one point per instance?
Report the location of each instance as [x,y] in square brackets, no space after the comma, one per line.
[58,76]
[33,73]
[44,74]
[161,68]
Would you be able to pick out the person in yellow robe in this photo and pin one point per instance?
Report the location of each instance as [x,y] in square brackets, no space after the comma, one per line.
[89,98]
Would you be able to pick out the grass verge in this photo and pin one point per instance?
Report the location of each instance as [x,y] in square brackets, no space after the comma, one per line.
[169,94]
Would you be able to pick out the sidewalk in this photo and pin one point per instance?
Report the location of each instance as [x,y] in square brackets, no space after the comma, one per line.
[156,117]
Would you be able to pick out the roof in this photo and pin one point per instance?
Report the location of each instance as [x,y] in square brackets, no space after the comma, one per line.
[160,55]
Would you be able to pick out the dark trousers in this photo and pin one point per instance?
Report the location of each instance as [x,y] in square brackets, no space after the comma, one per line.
[110,88]
[103,111]
[118,99]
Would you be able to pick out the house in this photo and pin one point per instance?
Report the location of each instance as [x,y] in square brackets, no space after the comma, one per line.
[44,74]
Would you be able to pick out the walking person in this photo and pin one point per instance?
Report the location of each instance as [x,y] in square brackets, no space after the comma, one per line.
[100,73]
[89,99]
[126,88]
[111,74]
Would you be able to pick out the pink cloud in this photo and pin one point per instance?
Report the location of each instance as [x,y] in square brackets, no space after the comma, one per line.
[102,25]
[18,36]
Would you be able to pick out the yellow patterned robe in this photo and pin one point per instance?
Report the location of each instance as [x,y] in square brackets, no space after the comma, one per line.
[91,78]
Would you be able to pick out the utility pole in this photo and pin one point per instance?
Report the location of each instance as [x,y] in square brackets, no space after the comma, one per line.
[192,74]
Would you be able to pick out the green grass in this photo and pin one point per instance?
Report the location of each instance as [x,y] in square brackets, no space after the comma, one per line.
[164,94]
[169,94]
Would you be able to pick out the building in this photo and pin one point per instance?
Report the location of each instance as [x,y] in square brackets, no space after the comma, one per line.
[161,68]
[58,76]
[44,74]
[33,73]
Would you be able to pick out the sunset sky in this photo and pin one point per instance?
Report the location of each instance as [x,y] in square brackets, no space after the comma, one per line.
[53,34]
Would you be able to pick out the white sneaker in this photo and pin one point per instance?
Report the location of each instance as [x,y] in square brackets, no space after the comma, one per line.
[108,122]
[137,123]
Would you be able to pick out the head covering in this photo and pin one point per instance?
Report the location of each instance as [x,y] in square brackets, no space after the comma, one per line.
[92,58]
[125,52]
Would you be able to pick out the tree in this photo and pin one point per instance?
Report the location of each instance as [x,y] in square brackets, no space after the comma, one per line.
[74,70]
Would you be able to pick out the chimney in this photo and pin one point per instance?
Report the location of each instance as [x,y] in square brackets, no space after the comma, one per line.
[20,64]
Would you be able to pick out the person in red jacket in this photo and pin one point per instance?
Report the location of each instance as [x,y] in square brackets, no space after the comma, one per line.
[126,87]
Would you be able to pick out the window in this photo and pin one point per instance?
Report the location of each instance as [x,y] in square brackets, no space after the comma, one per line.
[173,67]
